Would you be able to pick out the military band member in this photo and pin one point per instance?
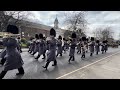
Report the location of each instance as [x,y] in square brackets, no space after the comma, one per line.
[30,45]
[91,46]
[36,44]
[20,45]
[86,44]
[59,46]
[79,46]
[83,47]
[13,57]
[97,46]
[103,47]
[64,47]
[40,46]
[45,48]
[72,47]
[51,56]
[106,46]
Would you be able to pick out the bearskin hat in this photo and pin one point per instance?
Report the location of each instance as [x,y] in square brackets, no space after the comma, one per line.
[80,39]
[92,38]
[12,29]
[73,35]
[64,39]
[87,39]
[36,36]
[60,37]
[97,41]
[52,32]
[18,38]
[44,38]
[83,38]
[106,41]
[41,36]
[103,41]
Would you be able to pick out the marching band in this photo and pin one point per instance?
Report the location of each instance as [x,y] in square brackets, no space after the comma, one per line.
[50,47]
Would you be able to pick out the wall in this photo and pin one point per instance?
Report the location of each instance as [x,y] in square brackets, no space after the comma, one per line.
[32,31]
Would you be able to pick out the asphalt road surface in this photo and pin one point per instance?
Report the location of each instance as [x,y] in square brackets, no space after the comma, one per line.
[91,67]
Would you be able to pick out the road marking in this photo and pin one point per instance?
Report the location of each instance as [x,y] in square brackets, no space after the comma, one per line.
[87,65]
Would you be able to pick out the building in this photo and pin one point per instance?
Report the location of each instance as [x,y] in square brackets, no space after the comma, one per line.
[29,29]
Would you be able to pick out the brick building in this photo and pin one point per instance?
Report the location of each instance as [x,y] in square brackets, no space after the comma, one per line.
[29,29]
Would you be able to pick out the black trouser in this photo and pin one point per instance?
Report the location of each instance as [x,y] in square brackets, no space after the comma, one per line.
[3,61]
[78,51]
[97,53]
[91,54]
[72,57]
[48,62]
[83,56]
[44,56]
[3,73]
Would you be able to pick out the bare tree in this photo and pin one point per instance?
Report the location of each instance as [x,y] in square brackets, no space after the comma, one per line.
[75,21]
[11,17]
[67,34]
[103,33]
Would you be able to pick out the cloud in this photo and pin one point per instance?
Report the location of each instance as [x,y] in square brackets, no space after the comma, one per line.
[94,18]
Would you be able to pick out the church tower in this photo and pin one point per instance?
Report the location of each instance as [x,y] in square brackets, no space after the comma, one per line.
[56,23]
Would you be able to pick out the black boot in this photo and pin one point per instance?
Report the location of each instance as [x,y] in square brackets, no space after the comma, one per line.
[37,56]
[96,53]
[56,55]
[91,54]
[77,52]
[61,54]
[102,52]
[44,56]
[3,61]
[70,59]
[55,63]
[73,58]
[2,74]
[82,56]
[46,65]
[21,71]
[33,53]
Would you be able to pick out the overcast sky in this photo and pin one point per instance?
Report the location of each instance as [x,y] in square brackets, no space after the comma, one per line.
[94,18]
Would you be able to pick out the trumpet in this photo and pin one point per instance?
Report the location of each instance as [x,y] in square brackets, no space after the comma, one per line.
[11,35]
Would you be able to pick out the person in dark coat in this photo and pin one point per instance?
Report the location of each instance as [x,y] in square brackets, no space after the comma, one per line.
[59,46]
[30,45]
[82,50]
[36,45]
[97,47]
[2,56]
[86,44]
[45,48]
[72,47]
[13,57]
[19,43]
[64,47]
[40,46]
[79,46]
[106,46]
[91,46]
[51,56]
[83,47]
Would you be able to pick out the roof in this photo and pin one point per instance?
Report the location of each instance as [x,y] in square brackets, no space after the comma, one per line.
[35,25]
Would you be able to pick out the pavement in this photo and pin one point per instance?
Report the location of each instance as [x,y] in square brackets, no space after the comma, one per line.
[97,67]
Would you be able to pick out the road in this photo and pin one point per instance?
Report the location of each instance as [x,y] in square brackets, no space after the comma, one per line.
[90,67]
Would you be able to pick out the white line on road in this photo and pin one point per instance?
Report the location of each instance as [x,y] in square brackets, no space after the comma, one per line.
[87,65]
